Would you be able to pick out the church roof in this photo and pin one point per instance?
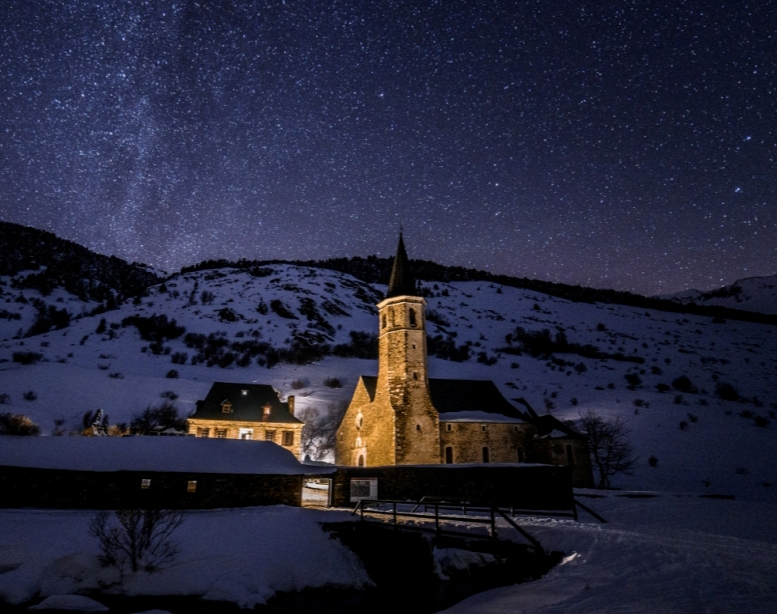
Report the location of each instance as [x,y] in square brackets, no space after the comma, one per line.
[248,402]
[450,396]
[402,281]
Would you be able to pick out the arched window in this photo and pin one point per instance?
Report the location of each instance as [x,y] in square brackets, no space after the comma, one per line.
[486,456]
[413,321]
[448,455]
[360,462]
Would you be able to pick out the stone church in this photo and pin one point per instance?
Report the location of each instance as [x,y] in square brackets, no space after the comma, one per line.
[402,417]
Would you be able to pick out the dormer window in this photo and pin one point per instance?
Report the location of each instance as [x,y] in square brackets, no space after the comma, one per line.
[244,393]
[226,407]
[266,410]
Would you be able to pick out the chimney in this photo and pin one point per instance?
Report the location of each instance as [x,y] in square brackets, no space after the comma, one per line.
[290,401]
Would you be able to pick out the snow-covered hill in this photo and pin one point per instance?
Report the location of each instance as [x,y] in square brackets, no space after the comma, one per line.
[751,294]
[659,371]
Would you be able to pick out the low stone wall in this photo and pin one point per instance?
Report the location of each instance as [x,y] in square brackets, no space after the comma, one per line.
[535,487]
[55,488]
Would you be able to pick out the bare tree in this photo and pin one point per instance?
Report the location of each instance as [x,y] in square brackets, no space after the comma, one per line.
[320,431]
[136,538]
[609,446]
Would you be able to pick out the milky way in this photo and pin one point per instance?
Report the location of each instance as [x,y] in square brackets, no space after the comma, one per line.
[614,144]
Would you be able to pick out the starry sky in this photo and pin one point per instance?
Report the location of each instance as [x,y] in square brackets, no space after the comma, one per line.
[618,144]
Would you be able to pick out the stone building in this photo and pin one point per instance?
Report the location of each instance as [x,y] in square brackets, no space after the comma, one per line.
[403,417]
[247,411]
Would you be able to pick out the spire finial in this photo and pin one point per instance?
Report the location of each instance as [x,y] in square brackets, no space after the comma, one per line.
[402,282]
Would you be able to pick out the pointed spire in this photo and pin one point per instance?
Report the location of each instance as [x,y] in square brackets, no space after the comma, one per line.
[402,281]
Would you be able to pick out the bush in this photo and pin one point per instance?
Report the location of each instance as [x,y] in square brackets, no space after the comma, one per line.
[172,374]
[653,461]
[633,380]
[662,388]
[333,382]
[17,424]
[684,384]
[30,395]
[683,425]
[298,384]
[5,399]
[726,392]
[159,418]
[116,375]
[136,538]
[27,358]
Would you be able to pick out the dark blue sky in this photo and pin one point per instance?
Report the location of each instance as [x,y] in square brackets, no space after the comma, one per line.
[614,144]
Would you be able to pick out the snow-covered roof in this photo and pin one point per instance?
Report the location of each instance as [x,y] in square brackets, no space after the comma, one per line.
[477,416]
[175,454]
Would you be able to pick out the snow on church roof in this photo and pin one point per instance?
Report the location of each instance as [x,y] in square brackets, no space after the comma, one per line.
[150,453]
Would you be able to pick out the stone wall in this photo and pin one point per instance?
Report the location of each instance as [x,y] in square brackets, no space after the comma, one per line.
[524,487]
[366,430]
[260,431]
[554,451]
[55,488]
[505,442]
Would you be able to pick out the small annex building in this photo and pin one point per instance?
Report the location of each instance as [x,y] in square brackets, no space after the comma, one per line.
[403,417]
[248,412]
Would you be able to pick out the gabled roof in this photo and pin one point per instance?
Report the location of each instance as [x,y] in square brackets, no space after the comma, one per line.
[549,426]
[451,396]
[402,282]
[248,402]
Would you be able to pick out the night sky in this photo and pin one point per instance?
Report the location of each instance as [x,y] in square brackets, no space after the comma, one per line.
[627,145]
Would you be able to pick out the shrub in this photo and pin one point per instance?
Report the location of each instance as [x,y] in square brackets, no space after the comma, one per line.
[172,374]
[761,421]
[169,394]
[683,425]
[27,358]
[726,391]
[30,395]
[116,375]
[158,418]
[653,461]
[5,399]
[662,388]
[684,384]
[633,380]
[333,382]
[693,418]
[136,538]
[17,424]
[179,358]
[298,384]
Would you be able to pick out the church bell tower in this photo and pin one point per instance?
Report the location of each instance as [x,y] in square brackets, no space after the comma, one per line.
[402,367]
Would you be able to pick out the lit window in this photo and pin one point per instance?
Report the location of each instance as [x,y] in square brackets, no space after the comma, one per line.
[244,393]
[266,410]
[226,407]
[288,438]
[145,483]
[269,435]
[191,486]
[201,432]
[221,433]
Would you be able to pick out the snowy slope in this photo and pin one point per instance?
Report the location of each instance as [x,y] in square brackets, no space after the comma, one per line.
[751,294]
[258,315]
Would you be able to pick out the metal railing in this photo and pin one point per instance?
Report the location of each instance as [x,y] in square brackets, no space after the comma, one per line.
[395,512]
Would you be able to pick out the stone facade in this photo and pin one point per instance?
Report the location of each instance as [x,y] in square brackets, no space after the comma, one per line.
[403,417]
[250,412]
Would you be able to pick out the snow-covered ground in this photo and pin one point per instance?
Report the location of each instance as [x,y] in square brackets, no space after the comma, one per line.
[751,294]
[241,556]
[701,443]
[670,553]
